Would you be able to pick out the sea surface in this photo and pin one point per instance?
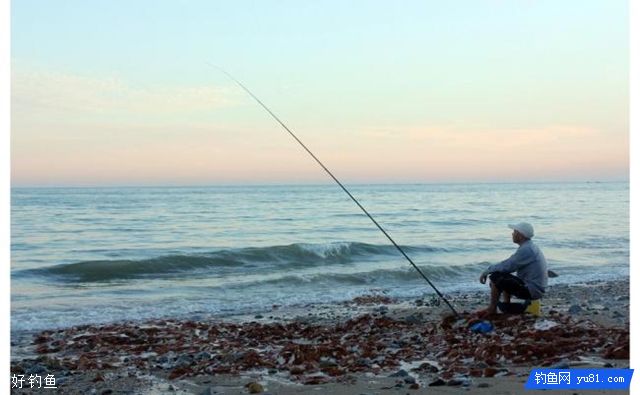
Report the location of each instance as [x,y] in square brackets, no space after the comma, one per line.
[95,255]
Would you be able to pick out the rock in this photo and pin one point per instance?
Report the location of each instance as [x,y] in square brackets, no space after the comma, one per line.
[435,301]
[327,363]
[414,386]
[258,316]
[233,357]
[364,362]
[254,388]
[400,373]
[575,309]
[51,363]
[483,385]
[315,380]
[480,365]
[560,365]
[415,318]
[438,382]
[427,367]
[177,372]
[184,360]
[203,356]
[454,382]
[419,302]
[108,391]
[36,369]
[544,325]
[489,372]
[621,352]
[167,365]
[409,380]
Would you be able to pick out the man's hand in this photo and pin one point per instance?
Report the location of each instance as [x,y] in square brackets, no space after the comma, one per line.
[483,277]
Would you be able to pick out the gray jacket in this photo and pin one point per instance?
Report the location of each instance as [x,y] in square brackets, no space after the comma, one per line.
[531,267]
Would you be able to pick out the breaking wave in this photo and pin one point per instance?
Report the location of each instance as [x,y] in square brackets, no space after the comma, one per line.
[222,262]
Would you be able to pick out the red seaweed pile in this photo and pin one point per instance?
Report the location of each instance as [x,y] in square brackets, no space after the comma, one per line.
[526,340]
[317,353]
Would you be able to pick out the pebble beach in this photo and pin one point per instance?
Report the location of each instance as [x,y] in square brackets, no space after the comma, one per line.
[372,344]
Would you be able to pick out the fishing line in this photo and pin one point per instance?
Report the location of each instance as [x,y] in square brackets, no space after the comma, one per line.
[340,184]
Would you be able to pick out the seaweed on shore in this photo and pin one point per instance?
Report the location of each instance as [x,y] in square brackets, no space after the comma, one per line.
[316,353]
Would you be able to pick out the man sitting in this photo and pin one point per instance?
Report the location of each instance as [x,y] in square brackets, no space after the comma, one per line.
[530,266]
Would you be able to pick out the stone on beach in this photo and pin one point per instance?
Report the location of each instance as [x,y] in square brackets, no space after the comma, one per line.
[254,388]
[437,382]
[575,309]
[399,373]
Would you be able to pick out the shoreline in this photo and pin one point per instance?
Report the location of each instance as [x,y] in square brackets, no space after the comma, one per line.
[371,344]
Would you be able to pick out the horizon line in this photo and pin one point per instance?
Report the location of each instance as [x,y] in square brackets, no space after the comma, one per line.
[315,184]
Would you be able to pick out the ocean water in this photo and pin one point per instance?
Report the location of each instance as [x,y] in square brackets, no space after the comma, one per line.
[94,255]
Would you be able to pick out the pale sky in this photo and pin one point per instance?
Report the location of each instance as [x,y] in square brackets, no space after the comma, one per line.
[120,93]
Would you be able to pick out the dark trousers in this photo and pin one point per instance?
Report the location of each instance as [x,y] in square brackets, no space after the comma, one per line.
[506,282]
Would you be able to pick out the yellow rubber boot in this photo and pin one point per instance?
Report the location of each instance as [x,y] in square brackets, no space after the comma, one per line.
[534,308]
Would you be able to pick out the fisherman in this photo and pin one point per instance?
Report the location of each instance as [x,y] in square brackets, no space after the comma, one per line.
[530,266]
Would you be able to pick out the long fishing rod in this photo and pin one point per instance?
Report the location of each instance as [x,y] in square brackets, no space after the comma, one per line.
[340,184]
